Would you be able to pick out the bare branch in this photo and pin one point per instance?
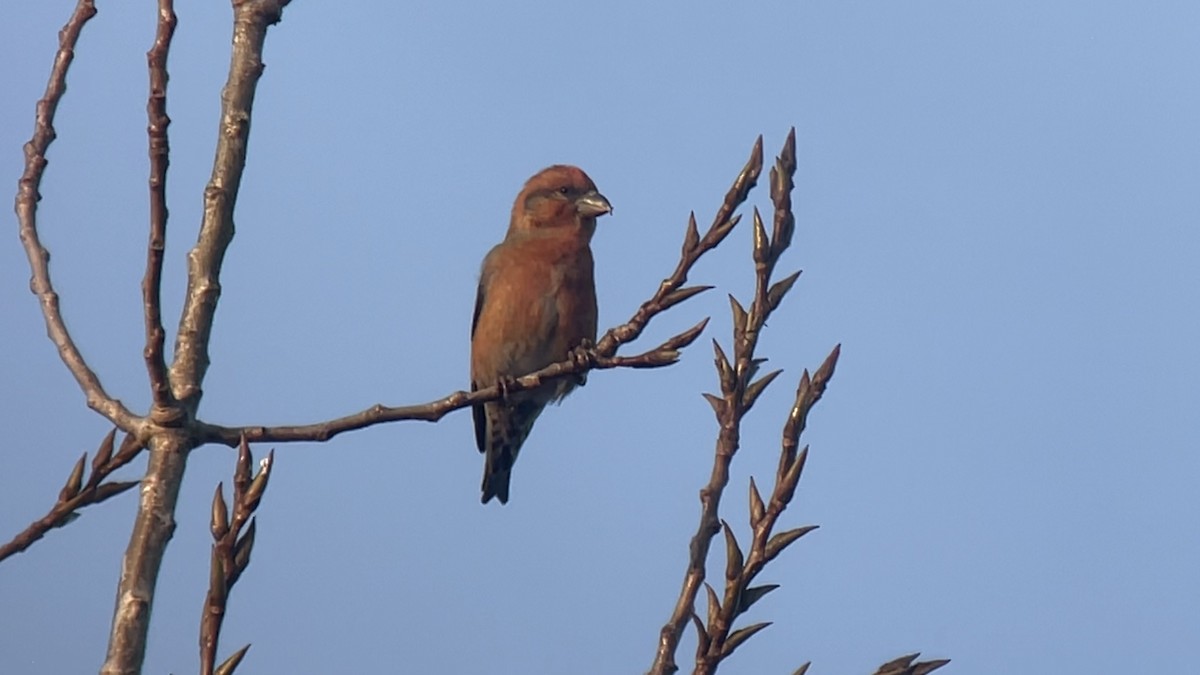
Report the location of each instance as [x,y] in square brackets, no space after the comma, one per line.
[26,208]
[162,411]
[233,541]
[251,20]
[76,494]
[663,355]
[152,529]
[739,390]
[170,444]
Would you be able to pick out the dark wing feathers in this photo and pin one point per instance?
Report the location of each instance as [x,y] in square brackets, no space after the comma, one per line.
[477,411]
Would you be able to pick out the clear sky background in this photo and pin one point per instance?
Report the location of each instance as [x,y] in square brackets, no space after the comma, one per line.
[998,217]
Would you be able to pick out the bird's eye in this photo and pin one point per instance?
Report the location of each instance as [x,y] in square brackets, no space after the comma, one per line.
[564,190]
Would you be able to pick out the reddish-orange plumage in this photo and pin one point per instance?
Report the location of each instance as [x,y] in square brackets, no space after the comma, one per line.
[536,303]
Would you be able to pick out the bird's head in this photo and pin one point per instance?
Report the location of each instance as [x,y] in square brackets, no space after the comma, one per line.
[559,198]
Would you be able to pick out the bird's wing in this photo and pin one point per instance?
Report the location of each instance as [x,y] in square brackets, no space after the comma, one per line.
[480,293]
[477,412]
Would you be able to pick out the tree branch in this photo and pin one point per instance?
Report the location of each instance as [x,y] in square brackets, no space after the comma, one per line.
[26,208]
[152,529]
[720,640]
[716,637]
[169,445]
[76,494]
[663,355]
[251,20]
[735,402]
[162,410]
[739,391]
[230,554]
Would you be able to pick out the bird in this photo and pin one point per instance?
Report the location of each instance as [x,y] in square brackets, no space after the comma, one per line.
[536,305]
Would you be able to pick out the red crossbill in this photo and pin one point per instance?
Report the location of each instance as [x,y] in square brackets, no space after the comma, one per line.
[536,303]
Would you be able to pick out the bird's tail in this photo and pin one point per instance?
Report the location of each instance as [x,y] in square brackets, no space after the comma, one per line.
[507,428]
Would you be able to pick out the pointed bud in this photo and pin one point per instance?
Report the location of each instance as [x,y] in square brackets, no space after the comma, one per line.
[241,473]
[714,605]
[779,289]
[685,338]
[762,245]
[717,403]
[103,455]
[739,320]
[724,370]
[734,561]
[784,539]
[219,520]
[692,237]
[752,595]
[243,548]
[74,481]
[702,639]
[757,510]
[755,388]
[675,297]
[230,664]
[737,637]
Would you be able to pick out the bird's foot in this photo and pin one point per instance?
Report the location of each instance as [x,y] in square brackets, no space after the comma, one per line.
[583,357]
[504,383]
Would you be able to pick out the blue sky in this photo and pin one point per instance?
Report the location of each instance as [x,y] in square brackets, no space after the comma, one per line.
[998,218]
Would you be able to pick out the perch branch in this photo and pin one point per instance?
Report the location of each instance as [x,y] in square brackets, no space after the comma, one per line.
[664,355]
[26,208]
[670,292]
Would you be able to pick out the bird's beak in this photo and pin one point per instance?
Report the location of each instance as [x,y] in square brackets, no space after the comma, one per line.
[592,204]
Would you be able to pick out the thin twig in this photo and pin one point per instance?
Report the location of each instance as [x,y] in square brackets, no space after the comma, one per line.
[715,635]
[163,411]
[26,208]
[739,391]
[77,494]
[230,554]
[665,354]
[729,409]
[739,395]
[720,640]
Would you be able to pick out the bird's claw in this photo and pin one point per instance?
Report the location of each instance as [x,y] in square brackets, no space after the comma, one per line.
[584,358]
[503,385]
